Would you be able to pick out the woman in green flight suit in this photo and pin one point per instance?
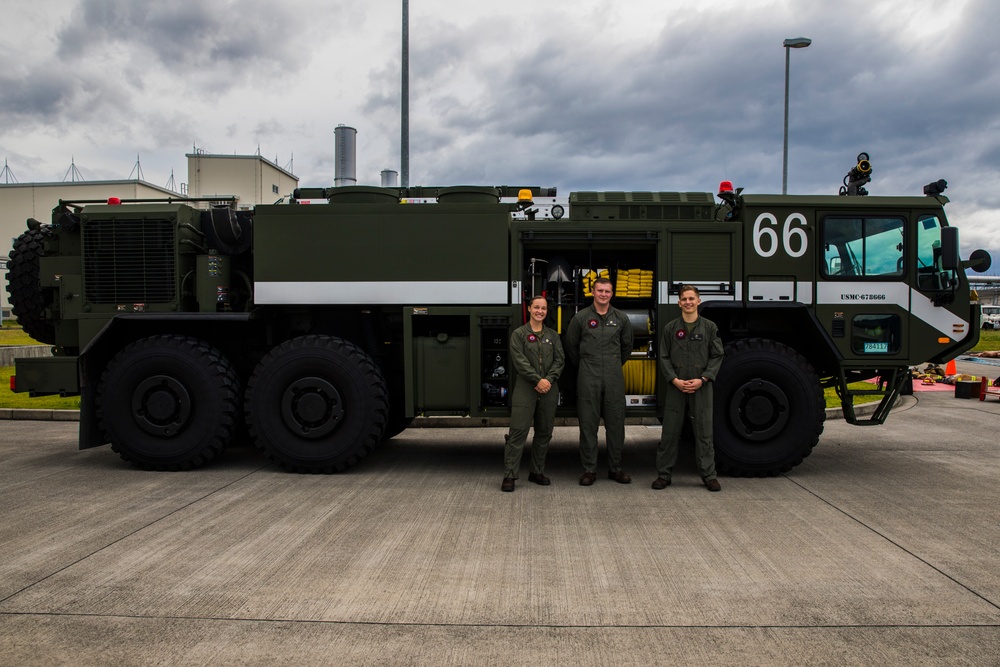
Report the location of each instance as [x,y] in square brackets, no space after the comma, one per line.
[536,355]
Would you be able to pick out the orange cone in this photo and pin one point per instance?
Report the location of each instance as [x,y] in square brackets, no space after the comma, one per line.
[950,369]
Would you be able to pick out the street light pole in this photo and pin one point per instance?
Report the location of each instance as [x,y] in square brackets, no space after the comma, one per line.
[404,116]
[789,44]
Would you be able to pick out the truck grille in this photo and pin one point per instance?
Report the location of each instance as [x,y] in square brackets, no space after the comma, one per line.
[129,261]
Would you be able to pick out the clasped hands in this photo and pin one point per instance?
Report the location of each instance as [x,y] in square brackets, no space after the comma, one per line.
[688,386]
[543,386]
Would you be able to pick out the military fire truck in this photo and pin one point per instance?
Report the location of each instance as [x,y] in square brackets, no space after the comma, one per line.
[317,331]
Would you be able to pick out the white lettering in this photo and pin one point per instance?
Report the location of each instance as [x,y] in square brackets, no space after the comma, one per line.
[794,240]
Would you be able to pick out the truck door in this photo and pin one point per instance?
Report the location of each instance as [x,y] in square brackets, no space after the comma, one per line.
[863,299]
[884,293]
[938,318]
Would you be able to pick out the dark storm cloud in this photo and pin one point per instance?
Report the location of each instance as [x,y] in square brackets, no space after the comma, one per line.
[703,99]
[39,97]
[107,50]
[232,38]
[621,115]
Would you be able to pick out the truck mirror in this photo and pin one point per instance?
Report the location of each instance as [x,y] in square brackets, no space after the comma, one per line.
[950,260]
[979,261]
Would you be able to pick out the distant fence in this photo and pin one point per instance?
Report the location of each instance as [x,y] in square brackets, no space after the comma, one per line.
[9,354]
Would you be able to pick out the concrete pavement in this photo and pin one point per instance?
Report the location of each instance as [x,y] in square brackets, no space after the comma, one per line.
[881,548]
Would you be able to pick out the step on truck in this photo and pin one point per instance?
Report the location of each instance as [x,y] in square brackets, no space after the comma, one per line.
[317,331]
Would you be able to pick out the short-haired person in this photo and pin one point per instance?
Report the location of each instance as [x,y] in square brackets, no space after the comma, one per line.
[690,356]
[599,342]
[536,355]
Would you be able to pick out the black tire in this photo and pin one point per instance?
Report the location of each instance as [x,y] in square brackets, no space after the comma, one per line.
[27,299]
[316,404]
[168,403]
[769,409]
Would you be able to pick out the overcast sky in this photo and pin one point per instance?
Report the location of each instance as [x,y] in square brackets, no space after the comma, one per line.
[579,94]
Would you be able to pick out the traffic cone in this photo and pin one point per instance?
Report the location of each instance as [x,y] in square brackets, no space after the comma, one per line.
[950,368]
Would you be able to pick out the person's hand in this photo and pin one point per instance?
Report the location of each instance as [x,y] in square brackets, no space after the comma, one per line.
[689,386]
[543,386]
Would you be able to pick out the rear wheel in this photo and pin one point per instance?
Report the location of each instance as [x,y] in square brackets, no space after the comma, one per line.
[316,404]
[168,402]
[769,409]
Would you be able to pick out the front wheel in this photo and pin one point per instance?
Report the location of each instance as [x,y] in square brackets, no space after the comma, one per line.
[168,402]
[316,404]
[769,409]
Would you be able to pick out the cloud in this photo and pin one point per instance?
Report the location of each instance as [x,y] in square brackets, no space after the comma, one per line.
[237,38]
[37,99]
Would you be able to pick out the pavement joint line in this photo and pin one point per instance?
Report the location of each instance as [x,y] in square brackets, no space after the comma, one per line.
[130,534]
[532,626]
[895,544]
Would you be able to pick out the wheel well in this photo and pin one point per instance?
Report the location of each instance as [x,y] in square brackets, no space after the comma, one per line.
[793,325]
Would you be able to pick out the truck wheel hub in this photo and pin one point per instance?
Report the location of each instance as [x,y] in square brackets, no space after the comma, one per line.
[161,405]
[759,410]
[311,407]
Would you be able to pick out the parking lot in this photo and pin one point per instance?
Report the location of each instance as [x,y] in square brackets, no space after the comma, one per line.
[881,548]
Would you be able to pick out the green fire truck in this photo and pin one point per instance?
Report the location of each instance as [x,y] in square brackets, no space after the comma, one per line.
[317,331]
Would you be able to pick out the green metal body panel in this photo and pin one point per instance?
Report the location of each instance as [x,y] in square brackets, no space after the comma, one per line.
[451,353]
[381,253]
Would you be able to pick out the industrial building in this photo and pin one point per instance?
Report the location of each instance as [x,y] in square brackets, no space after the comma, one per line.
[252,179]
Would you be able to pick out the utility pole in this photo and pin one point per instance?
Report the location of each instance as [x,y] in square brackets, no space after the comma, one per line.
[404,133]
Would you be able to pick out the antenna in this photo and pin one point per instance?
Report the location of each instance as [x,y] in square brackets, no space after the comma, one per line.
[137,170]
[73,173]
[6,174]
[171,184]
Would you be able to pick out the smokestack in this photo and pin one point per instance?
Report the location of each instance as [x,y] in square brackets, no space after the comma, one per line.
[345,149]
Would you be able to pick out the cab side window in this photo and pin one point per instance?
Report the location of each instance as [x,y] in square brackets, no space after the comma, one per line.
[931,274]
[863,247]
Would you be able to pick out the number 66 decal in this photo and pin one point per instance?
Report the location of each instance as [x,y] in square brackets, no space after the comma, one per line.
[793,239]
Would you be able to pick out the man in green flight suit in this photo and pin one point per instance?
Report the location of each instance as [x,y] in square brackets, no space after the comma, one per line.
[599,342]
[690,356]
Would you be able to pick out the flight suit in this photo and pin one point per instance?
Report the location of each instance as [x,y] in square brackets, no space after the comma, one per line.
[600,345]
[688,351]
[533,357]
